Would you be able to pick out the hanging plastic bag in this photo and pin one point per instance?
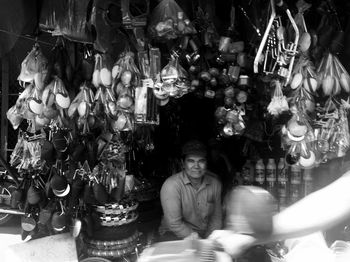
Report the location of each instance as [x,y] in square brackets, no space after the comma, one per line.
[333,76]
[126,103]
[123,122]
[74,23]
[102,74]
[170,75]
[126,75]
[305,38]
[66,18]
[73,108]
[334,138]
[83,104]
[14,117]
[110,103]
[96,75]
[343,138]
[35,104]
[35,62]
[105,20]
[34,150]
[322,75]
[105,71]
[278,102]
[169,21]
[304,75]
[22,103]
[182,82]
[232,121]
[327,129]
[303,152]
[62,99]
[99,103]
[298,128]
[341,74]
[50,109]
[17,153]
[52,12]
[304,84]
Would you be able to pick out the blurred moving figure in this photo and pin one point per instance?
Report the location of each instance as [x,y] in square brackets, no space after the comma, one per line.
[316,212]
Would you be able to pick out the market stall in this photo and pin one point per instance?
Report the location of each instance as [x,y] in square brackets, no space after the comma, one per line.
[110,90]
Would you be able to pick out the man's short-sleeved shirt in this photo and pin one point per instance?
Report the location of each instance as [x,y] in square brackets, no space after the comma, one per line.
[195,207]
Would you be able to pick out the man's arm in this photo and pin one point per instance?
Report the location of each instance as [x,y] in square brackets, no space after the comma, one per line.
[215,221]
[170,197]
[316,212]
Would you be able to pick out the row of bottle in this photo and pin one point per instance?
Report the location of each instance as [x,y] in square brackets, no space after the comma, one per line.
[288,185]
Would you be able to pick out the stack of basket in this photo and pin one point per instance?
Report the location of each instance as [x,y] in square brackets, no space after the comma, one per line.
[115,234]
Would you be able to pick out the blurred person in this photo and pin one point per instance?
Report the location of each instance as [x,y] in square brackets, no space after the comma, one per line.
[191,199]
[318,211]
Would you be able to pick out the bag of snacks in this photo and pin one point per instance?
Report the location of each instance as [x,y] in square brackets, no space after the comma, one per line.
[169,21]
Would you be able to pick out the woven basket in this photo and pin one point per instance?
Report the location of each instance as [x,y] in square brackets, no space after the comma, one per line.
[118,220]
[116,208]
[112,245]
[112,253]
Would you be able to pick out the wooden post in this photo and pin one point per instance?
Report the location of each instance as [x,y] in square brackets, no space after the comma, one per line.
[5,72]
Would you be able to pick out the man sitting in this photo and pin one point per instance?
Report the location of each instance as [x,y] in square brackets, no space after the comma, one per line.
[191,199]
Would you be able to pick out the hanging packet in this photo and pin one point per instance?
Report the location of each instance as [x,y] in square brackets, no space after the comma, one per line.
[169,21]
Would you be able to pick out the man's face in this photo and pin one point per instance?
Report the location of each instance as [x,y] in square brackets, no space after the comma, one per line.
[195,166]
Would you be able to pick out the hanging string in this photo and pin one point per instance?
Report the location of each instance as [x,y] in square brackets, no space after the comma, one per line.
[27,37]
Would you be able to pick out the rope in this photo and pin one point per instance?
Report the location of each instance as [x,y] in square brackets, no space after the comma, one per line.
[27,37]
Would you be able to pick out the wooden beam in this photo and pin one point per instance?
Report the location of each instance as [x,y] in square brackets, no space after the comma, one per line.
[5,72]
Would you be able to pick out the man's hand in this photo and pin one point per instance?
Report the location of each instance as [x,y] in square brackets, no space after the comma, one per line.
[232,243]
[192,236]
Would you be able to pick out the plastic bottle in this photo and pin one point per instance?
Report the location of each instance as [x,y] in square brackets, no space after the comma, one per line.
[248,173]
[282,184]
[259,178]
[307,182]
[271,176]
[238,180]
[295,183]
[271,180]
